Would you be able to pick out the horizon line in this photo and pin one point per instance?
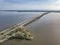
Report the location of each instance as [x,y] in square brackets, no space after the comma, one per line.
[31,10]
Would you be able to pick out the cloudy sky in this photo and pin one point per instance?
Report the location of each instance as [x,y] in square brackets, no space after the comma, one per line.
[29,4]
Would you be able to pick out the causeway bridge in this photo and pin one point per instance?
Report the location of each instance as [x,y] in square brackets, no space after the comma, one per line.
[19,30]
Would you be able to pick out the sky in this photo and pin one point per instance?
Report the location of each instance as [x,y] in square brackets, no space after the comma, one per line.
[29,4]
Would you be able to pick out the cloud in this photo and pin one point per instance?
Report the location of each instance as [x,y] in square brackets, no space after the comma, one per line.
[57,2]
[30,5]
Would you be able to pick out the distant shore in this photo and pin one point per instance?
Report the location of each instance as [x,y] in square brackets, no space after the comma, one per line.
[32,10]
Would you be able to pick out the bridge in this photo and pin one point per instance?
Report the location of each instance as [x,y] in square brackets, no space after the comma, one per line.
[19,30]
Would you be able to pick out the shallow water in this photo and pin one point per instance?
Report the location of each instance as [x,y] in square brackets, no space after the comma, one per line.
[46,31]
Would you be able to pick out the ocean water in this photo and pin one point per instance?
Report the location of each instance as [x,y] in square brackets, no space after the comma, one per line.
[46,31]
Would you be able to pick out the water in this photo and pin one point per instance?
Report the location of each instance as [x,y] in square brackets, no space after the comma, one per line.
[46,31]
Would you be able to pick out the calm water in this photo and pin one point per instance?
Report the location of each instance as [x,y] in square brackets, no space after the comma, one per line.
[46,31]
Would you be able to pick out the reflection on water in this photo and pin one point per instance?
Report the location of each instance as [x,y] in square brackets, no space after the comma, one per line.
[46,31]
